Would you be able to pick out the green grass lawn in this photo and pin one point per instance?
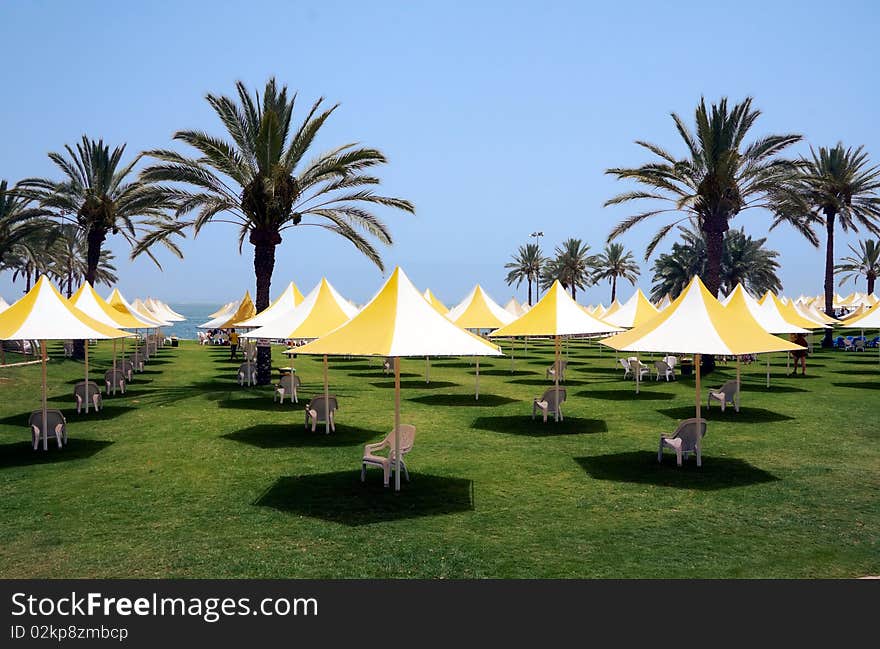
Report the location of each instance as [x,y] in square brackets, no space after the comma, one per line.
[190,475]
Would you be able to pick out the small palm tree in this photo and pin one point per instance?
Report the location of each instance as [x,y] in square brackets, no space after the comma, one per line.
[27,258]
[615,263]
[19,219]
[720,177]
[68,254]
[835,186]
[259,181]
[104,196]
[572,266]
[864,262]
[525,266]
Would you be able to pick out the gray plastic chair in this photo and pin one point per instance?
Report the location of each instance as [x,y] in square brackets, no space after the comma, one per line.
[55,423]
[318,412]
[727,393]
[663,369]
[684,440]
[288,385]
[114,378]
[550,402]
[127,368]
[551,371]
[386,462]
[247,373]
[80,393]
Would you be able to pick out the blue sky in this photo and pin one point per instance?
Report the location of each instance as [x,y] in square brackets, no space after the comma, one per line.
[499,118]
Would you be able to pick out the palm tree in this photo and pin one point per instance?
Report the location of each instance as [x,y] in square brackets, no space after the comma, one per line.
[105,197]
[614,263]
[259,181]
[27,258]
[19,219]
[835,185]
[744,261]
[864,261]
[572,266]
[525,265]
[68,255]
[719,178]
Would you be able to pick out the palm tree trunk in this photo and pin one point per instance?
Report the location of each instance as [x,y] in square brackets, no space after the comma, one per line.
[829,273]
[613,288]
[264,265]
[94,241]
[574,292]
[871,279]
[27,281]
[712,279]
[530,291]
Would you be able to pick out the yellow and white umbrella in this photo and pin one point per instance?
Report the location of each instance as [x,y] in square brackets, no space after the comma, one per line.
[696,323]
[238,311]
[635,311]
[286,302]
[118,302]
[514,308]
[556,314]
[479,311]
[399,322]
[810,312]
[43,314]
[162,310]
[664,302]
[767,315]
[436,303]
[87,300]
[320,312]
[3,305]
[790,313]
[612,308]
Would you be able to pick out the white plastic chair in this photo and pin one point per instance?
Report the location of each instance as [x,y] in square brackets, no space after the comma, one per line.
[386,462]
[727,393]
[247,373]
[684,440]
[317,411]
[664,370]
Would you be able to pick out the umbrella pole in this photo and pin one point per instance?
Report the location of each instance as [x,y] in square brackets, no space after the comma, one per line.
[697,359]
[326,400]
[512,355]
[45,414]
[738,380]
[638,372]
[396,423]
[427,369]
[556,381]
[87,376]
[768,370]
[477,393]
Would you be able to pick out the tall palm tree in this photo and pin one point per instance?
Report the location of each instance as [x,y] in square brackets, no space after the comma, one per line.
[863,262]
[27,258]
[720,177]
[259,181]
[835,186]
[572,266]
[615,263]
[105,197]
[68,254]
[525,265]
[745,261]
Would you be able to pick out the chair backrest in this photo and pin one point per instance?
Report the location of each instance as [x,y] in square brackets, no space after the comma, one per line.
[53,418]
[126,365]
[112,376]
[288,381]
[407,438]
[625,363]
[662,366]
[79,390]
[860,343]
[729,389]
[320,406]
[553,397]
[671,361]
[247,369]
[689,431]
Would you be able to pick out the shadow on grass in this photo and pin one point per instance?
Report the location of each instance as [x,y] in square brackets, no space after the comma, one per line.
[417,385]
[378,372]
[746,415]
[773,389]
[865,385]
[627,394]
[508,373]
[342,498]
[873,372]
[485,400]
[525,425]
[548,383]
[23,454]
[109,411]
[641,467]
[457,364]
[294,435]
